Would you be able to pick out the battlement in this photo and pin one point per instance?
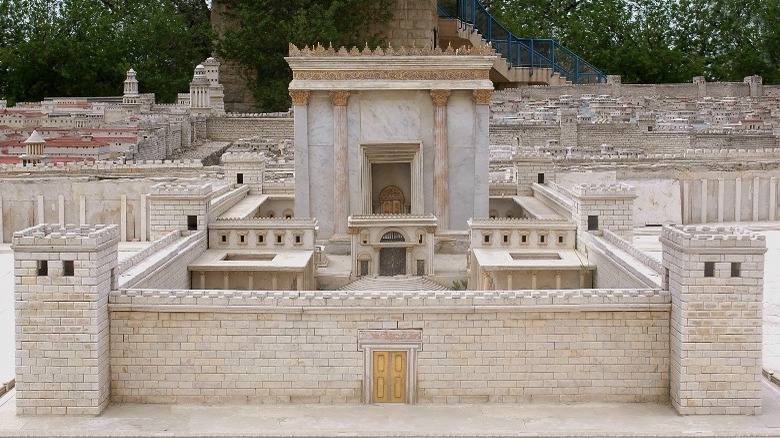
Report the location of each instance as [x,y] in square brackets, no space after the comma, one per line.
[243,157]
[82,166]
[731,238]
[55,237]
[391,299]
[276,115]
[330,51]
[601,190]
[182,190]
[264,223]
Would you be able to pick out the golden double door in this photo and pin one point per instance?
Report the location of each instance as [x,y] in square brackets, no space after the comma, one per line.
[389,379]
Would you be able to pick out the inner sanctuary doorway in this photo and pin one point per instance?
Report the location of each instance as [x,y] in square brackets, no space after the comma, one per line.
[392,259]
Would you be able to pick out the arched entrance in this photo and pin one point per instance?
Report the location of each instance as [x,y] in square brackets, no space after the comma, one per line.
[392,260]
[391,200]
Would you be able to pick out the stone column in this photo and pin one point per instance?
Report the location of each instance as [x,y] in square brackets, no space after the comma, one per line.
[721,198]
[82,210]
[441,175]
[144,221]
[339,100]
[772,198]
[123,218]
[704,199]
[756,194]
[300,101]
[41,218]
[61,208]
[686,202]
[738,200]
[481,153]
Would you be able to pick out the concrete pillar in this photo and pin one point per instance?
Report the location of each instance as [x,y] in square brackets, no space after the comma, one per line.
[772,198]
[39,218]
[251,281]
[509,280]
[202,279]
[533,279]
[704,199]
[274,281]
[738,200]
[721,197]
[226,281]
[756,194]
[557,279]
[123,218]
[300,101]
[340,162]
[144,218]
[441,179]
[61,209]
[82,210]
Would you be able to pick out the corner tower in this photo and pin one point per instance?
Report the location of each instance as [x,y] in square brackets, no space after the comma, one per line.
[715,277]
[63,279]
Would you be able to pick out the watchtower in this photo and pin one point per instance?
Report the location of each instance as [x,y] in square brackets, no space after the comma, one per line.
[63,279]
[715,277]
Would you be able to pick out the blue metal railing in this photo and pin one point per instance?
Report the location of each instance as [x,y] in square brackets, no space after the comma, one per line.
[524,52]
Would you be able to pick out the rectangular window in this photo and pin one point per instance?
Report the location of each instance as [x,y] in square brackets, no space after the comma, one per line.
[239,178]
[298,239]
[261,238]
[593,223]
[542,238]
[67,268]
[524,238]
[736,269]
[487,238]
[506,238]
[192,223]
[242,238]
[223,238]
[560,239]
[709,269]
[43,268]
[540,178]
[278,238]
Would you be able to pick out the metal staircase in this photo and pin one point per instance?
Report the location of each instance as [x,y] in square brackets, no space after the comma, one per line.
[523,60]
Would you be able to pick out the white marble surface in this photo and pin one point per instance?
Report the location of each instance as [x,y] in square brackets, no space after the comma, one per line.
[388,117]
[658,201]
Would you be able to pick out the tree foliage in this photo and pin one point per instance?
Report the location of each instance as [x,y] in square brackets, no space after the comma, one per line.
[84,47]
[653,41]
[259,32]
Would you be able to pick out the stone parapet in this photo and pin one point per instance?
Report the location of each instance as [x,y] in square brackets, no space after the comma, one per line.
[619,190]
[701,238]
[74,238]
[243,157]
[467,301]
[181,190]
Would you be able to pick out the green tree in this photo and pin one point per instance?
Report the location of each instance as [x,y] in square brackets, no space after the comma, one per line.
[84,47]
[259,32]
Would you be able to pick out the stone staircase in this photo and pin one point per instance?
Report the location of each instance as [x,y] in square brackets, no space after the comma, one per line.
[457,34]
[397,283]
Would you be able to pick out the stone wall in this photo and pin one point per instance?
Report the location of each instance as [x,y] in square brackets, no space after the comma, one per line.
[251,347]
[232,128]
[167,268]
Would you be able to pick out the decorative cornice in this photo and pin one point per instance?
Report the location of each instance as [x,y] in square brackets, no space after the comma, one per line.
[440,97]
[300,97]
[339,97]
[321,51]
[482,97]
[404,75]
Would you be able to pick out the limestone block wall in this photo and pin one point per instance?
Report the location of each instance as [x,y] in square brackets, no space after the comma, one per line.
[616,266]
[263,234]
[231,128]
[715,277]
[250,347]
[413,25]
[611,204]
[171,205]
[167,268]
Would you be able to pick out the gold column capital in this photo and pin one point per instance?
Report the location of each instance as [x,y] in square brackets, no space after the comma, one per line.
[482,97]
[300,97]
[440,97]
[339,97]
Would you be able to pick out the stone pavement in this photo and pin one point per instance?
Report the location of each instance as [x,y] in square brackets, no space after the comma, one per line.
[488,420]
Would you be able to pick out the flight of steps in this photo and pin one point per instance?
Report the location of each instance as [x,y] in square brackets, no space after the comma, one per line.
[398,283]
[452,31]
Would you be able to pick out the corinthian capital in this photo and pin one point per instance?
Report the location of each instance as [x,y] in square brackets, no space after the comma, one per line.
[300,97]
[440,97]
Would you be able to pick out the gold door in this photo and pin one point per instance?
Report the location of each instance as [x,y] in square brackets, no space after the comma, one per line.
[389,378]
